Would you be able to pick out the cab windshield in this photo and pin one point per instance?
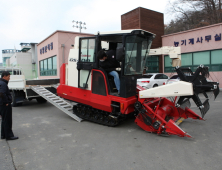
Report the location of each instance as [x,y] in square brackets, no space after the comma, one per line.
[136,51]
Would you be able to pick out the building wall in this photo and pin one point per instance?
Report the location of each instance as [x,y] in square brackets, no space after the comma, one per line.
[204,40]
[58,38]
[34,63]
[6,55]
[54,52]
[24,61]
[7,62]
[131,20]
[13,60]
[24,58]
[185,36]
[63,52]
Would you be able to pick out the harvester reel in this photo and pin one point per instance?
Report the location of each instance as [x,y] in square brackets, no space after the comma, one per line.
[200,85]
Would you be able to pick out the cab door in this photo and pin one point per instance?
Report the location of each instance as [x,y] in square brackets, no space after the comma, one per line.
[99,95]
[86,62]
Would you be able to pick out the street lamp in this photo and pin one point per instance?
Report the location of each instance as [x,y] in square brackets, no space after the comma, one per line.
[80,25]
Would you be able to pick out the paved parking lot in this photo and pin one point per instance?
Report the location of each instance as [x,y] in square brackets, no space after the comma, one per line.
[50,140]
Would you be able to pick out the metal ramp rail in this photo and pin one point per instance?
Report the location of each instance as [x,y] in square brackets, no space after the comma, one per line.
[58,102]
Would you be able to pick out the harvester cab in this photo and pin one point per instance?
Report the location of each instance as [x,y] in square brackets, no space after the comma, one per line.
[83,81]
[129,48]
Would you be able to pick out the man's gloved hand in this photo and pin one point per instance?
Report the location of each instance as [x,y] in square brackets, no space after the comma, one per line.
[118,69]
[131,69]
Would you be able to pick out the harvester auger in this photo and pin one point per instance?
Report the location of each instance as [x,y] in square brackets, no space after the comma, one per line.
[161,116]
[83,81]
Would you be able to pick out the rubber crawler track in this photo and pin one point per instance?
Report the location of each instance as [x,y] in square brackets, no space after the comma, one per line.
[95,115]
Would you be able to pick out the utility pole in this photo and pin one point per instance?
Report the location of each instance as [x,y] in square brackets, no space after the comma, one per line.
[80,25]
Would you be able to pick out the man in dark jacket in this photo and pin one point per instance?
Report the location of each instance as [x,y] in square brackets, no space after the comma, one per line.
[6,108]
[110,66]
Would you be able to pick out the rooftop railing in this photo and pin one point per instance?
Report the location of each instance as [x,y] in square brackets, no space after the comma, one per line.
[10,51]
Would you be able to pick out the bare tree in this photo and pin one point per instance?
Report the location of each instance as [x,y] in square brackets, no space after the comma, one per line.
[193,13]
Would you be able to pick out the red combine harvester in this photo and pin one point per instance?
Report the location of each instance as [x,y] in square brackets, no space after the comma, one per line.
[84,82]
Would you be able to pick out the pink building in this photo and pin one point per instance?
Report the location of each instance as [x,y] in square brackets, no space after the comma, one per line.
[198,46]
[53,51]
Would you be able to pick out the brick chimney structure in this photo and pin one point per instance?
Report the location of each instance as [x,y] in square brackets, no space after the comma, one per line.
[141,18]
[152,21]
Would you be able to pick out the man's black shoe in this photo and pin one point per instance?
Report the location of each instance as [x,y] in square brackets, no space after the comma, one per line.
[2,137]
[12,138]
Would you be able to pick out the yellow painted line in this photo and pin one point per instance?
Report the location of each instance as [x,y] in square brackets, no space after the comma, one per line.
[179,121]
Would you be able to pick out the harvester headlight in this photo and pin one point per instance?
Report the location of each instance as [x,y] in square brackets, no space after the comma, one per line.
[121,106]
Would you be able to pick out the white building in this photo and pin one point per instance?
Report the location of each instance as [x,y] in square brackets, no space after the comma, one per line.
[25,59]
[6,54]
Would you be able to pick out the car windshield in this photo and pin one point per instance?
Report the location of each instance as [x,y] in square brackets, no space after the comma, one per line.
[147,76]
[174,77]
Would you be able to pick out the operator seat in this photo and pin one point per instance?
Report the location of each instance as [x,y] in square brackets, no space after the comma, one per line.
[119,54]
[111,53]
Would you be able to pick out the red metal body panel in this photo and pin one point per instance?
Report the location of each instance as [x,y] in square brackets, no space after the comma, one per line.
[63,73]
[96,101]
[163,111]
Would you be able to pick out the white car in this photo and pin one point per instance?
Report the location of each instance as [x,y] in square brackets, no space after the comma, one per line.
[151,80]
[173,79]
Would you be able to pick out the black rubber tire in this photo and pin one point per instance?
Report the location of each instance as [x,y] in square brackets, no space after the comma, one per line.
[155,85]
[41,100]
[14,104]
[19,104]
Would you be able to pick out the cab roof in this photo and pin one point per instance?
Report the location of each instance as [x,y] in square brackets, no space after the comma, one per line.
[123,32]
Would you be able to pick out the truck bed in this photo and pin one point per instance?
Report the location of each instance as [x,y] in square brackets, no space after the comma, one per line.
[42,82]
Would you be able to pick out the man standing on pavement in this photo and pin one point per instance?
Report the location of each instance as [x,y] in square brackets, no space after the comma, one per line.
[6,108]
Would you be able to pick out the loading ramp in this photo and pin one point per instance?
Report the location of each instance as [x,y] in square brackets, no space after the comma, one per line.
[58,102]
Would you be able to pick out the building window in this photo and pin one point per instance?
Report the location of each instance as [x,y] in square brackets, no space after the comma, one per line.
[48,67]
[41,66]
[4,61]
[216,60]
[49,63]
[168,64]
[216,56]
[152,64]
[54,63]
[186,59]
[201,58]
[45,65]
[212,59]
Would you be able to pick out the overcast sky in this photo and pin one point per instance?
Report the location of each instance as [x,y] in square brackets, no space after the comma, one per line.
[33,20]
